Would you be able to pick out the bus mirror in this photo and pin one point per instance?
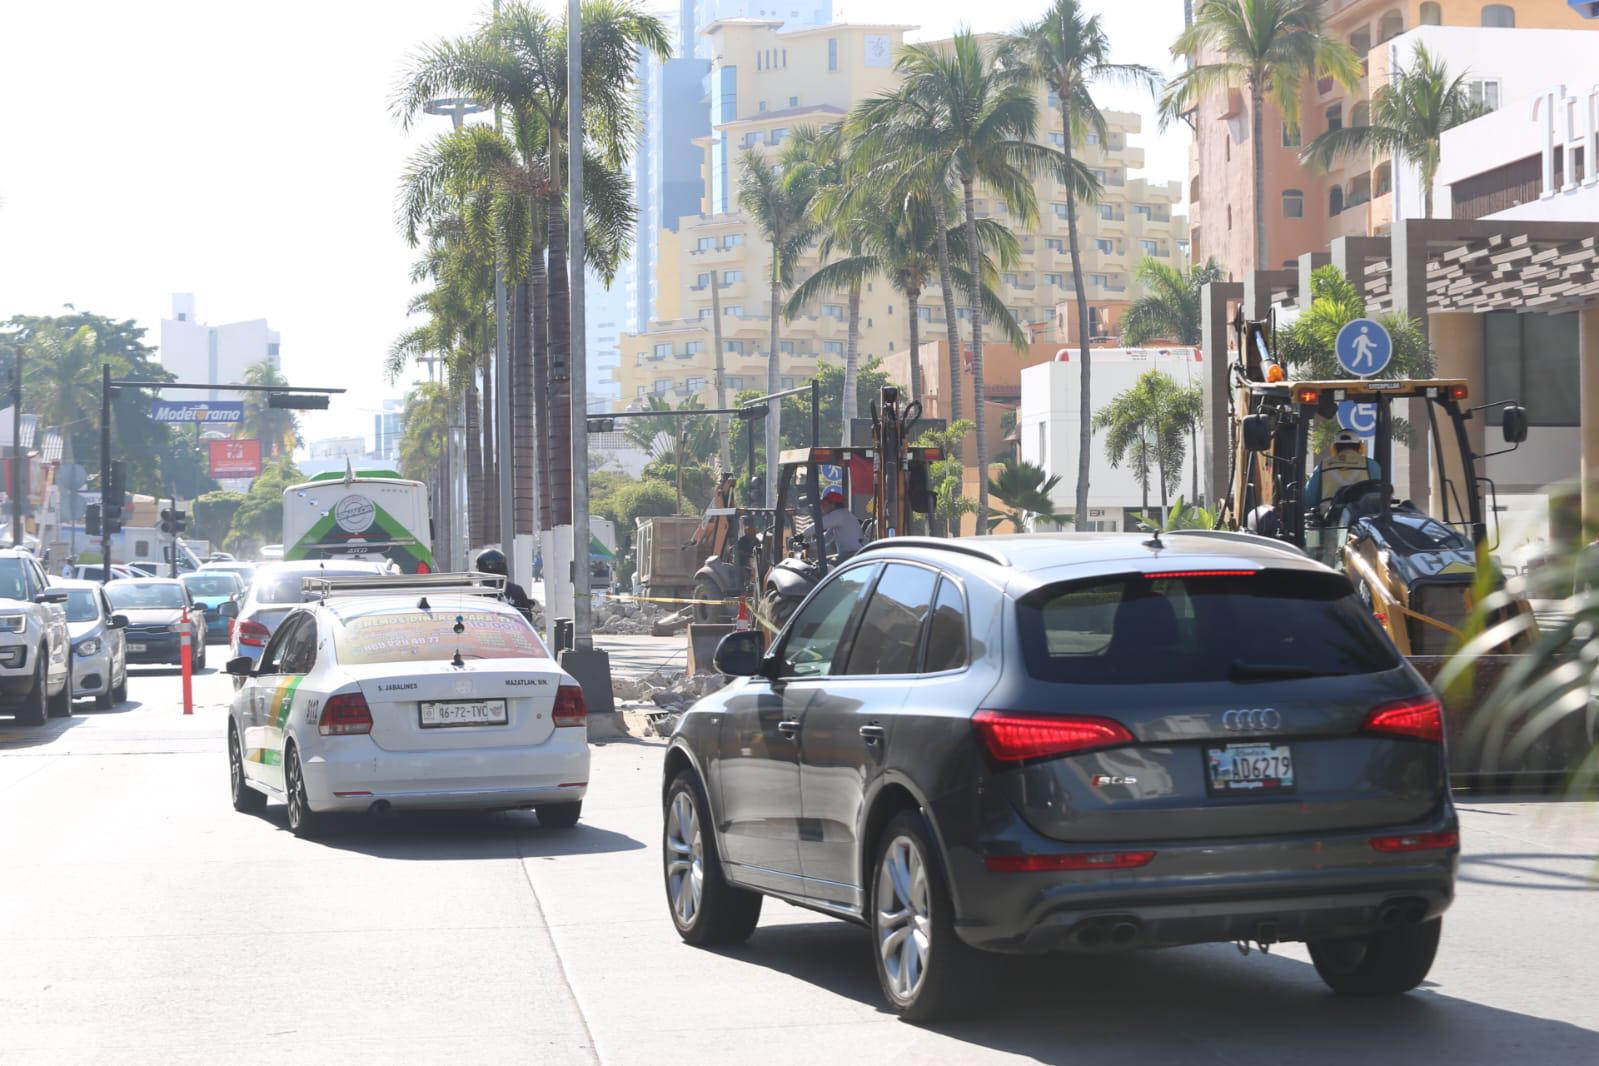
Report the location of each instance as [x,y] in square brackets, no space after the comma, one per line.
[1515,423]
[1257,433]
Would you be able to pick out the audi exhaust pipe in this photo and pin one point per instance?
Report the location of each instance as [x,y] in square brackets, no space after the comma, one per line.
[379,808]
[1123,933]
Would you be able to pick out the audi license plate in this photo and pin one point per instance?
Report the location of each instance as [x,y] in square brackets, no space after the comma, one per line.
[1245,769]
[463,713]
[137,647]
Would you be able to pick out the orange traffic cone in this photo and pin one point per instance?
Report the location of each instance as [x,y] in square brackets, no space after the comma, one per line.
[743,621]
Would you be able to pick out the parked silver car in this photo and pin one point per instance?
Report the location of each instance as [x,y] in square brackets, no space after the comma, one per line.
[275,590]
[99,644]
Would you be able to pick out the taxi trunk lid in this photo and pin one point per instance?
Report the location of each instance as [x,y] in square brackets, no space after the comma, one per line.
[453,697]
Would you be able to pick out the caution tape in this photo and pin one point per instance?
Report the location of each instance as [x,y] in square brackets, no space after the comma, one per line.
[667,599]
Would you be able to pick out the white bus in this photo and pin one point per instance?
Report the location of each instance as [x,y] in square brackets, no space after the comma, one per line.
[359,515]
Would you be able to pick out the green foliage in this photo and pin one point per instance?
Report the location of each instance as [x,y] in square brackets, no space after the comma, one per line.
[277,429]
[1026,493]
[259,517]
[1306,344]
[1148,426]
[62,357]
[656,436]
[213,515]
[424,427]
[947,476]
[1181,516]
[1170,307]
[869,382]
[699,481]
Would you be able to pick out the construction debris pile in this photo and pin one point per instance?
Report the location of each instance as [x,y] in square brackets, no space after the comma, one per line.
[625,617]
[662,697]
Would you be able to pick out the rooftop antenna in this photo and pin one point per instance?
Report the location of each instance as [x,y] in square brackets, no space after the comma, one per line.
[423,605]
[1154,540]
[459,627]
[349,471]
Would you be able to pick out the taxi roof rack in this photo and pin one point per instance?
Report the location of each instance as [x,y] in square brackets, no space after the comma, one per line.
[467,583]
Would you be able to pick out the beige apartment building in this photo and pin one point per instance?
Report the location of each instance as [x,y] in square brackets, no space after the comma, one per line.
[765,83]
[1307,209]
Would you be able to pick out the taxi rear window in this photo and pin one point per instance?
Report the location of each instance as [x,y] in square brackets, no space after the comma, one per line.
[430,636]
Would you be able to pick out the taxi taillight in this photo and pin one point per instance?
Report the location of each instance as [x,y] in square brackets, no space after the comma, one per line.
[569,706]
[344,715]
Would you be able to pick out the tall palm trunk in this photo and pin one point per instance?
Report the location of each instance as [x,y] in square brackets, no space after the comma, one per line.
[946,282]
[1258,152]
[522,413]
[1160,471]
[1085,399]
[539,294]
[974,256]
[562,409]
[773,407]
[474,464]
[491,464]
[722,428]
[912,296]
[852,343]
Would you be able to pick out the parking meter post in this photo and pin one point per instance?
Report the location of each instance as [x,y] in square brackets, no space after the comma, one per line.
[186,661]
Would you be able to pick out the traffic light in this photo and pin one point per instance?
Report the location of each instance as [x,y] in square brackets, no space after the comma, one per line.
[290,401]
[602,425]
[91,520]
[173,522]
[113,499]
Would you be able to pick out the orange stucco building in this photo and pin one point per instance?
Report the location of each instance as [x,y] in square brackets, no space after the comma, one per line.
[1305,208]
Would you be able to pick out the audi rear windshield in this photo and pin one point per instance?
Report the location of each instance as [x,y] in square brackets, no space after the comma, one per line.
[1148,629]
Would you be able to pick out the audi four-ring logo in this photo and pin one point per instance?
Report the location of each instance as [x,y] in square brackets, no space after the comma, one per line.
[1253,720]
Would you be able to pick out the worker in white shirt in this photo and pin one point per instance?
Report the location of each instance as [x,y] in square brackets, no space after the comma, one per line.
[839,525]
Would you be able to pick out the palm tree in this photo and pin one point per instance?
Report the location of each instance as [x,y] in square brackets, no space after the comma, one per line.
[1271,48]
[1027,491]
[975,119]
[902,246]
[1408,118]
[1170,307]
[778,198]
[61,376]
[1069,51]
[277,429]
[1146,423]
[424,426]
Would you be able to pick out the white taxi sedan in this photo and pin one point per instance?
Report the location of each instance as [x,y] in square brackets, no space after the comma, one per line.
[414,699]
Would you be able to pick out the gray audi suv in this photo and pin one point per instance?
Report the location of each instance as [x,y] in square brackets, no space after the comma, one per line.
[1075,742]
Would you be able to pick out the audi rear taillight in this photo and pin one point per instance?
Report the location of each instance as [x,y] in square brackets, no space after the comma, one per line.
[1417,841]
[569,707]
[1098,860]
[344,715]
[1019,737]
[252,634]
[1417,719]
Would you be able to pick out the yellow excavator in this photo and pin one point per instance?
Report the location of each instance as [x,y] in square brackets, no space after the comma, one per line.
[1420,573]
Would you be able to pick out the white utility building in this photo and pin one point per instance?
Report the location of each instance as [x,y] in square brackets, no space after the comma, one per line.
[194,351]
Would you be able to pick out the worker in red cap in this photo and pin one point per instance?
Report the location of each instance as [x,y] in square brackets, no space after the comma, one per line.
[839,525]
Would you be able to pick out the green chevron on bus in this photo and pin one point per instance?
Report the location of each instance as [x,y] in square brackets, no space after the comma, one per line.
[368,515]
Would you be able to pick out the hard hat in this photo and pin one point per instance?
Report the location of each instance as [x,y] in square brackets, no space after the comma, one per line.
[491,561]
[1346,439]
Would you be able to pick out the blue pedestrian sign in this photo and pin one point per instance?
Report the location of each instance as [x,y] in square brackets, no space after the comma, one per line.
[1359,418]
[1364,347]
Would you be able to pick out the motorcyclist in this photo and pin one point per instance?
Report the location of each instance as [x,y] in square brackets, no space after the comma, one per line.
[492,561]
[1347,465]
[840,525]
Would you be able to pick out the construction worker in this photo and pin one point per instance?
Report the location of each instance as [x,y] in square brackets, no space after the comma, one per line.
[1347,465]
[492,561]
[840,525]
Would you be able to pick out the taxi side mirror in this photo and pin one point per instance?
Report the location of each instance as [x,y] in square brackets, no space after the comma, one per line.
[242,666]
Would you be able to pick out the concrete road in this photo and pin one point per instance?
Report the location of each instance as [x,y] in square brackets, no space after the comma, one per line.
[143,921]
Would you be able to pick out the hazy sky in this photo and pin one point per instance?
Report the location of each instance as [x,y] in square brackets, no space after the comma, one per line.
[245,153]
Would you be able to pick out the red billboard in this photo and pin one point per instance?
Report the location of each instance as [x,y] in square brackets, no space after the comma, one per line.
[235,458]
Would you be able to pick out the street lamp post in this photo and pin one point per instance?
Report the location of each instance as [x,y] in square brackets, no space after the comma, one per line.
[453,454]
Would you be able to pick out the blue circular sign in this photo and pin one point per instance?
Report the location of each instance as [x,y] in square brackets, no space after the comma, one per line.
[1364,347]
[1359,418]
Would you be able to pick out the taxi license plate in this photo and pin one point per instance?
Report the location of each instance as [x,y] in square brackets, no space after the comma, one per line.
[1249,769]
[445,715]
[137,647]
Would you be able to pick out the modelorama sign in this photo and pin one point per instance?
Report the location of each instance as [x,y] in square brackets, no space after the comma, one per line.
[1578,116]
[191,412]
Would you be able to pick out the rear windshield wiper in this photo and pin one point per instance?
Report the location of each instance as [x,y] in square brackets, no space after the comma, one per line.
[1247,671]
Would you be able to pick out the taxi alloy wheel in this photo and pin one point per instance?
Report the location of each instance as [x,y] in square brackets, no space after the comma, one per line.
[245,798]
[303,821]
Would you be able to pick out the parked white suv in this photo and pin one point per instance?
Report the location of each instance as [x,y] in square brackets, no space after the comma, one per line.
[35,648]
